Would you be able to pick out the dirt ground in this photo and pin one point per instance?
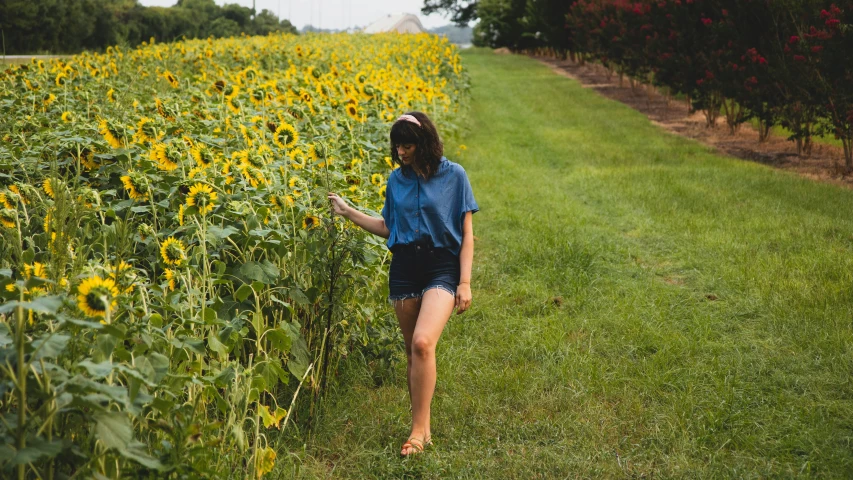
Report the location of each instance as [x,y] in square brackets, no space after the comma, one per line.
[823,164]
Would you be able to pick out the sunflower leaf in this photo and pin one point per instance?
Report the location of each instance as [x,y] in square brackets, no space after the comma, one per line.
[50,345]
[47,304]
[243,292]
[114,429]
[221,233]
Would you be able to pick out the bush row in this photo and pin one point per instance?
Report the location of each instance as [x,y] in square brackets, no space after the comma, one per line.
[782,62]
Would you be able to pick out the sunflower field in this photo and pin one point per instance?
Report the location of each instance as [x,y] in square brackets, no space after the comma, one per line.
[171,277]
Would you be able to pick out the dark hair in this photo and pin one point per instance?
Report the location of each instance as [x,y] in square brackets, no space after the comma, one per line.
[429,149]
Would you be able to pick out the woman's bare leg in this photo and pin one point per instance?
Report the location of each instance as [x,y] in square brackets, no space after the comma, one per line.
[407,316]
[435,309]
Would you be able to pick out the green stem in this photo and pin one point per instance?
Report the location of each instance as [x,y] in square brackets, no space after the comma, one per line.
[22,387]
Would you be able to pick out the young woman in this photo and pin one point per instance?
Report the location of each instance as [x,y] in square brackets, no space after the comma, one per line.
[427,221]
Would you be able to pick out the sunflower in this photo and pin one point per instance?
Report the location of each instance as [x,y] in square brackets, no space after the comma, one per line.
[163,110]
[232,101]
[110,132]
[312,153]
[285,136]
[67,117]
[172,278]
[253,158]
[254,176]
[310,221]
[181,215]
[258,96]
[8,217]
[325,90]
[361,78]
[202,196]
[136,186]
[173,252]
[48,188]
[88,197]
[354,163]
[352,111]
[298,160]
[48,99]
[146,131]
[95,295]
[122,274]
[376,179]
[87,158]
[233,105]
[382,190]
[60,79]
[171,78]
[202,155]
[167,156]
[390,162]
[111,95]
[17,191]
[48,217]
[5,202]
[247,136]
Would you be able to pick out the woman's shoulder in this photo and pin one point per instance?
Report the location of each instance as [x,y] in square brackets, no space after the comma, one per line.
[451,167]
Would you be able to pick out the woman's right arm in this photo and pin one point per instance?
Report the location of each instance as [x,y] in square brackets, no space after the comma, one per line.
[373,225]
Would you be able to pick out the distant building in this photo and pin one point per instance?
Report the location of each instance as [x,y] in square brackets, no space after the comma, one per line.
[398,22]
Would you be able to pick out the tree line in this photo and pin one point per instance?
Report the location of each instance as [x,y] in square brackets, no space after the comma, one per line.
[71,26]
[780,62]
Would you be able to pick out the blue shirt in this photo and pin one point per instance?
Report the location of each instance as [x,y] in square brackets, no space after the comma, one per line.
[428,210]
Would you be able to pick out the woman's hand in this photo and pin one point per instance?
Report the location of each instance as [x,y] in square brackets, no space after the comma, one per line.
[463,297]
[339,206]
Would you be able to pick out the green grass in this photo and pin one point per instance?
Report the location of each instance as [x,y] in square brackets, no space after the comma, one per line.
[642,307]
[783,132]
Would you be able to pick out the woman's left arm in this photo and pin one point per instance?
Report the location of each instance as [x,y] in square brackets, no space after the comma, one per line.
[466,259]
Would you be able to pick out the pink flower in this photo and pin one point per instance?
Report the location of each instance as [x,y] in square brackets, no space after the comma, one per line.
[817,48]
[794,39]
[799,58]
[707,21]
[700,82]
[833,22]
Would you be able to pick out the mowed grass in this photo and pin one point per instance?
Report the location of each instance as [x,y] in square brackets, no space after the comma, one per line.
[642,308]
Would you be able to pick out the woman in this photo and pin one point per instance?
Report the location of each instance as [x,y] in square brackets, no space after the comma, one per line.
[427,221]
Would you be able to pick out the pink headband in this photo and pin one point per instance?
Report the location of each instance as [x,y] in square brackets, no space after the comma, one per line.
[409,118]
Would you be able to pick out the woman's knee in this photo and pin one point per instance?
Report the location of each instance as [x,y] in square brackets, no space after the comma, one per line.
[423,346]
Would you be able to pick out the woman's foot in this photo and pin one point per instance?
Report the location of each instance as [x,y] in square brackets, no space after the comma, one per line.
[412,446]
[415,444]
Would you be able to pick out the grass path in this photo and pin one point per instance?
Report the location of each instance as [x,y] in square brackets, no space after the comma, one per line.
[641,307]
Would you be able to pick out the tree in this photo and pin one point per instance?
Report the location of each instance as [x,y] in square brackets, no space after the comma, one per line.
[500,24]
[461,11]
[224,27]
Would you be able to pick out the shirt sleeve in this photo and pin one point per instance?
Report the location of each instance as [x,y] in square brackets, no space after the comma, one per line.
[468,202]
[386,208]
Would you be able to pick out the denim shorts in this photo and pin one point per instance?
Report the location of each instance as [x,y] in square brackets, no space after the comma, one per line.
[418,267]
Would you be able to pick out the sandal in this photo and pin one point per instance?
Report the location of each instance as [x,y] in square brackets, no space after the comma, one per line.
[417,446]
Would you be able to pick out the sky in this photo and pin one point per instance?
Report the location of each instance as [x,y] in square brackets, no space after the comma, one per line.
[335,14]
